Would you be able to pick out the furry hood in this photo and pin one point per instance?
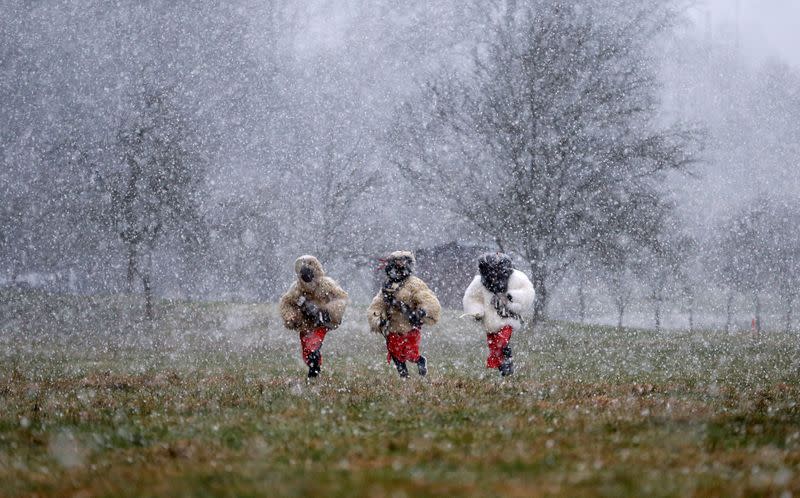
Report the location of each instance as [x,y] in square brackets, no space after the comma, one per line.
[401,255]
[399,266]
[307,263]
[321,290]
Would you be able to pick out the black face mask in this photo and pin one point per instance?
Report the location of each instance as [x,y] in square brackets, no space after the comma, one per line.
[306,274]
[495,270]
[398,270]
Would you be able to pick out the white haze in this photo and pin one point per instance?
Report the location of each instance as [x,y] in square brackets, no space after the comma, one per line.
[291,101]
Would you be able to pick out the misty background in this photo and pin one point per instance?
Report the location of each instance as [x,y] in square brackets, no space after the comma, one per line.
[194,150]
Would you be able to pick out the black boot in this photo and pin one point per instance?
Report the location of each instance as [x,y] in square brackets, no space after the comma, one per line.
[507,365]
[402,369]
[314,361]
[422,366]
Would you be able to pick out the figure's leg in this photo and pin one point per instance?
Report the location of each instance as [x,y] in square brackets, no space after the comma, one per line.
[402,369]
[411,343]
[507,364]
[314,361]
[422,365]
[500,356]
[494,359]
[312,350]
[395,347]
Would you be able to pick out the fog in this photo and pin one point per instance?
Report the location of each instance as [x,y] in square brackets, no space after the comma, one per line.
[194,151]
[765,28]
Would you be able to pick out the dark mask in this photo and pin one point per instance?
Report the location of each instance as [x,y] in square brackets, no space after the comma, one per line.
[306,274]
[495,270]
[399,269]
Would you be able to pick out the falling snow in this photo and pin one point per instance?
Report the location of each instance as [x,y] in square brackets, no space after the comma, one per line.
[163,164]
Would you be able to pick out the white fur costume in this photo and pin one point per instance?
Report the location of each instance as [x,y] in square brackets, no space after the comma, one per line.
[518,299]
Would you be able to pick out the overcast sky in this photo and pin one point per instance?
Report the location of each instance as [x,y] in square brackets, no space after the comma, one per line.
[766,27]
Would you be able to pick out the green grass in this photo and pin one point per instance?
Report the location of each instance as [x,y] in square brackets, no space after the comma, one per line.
[211,400]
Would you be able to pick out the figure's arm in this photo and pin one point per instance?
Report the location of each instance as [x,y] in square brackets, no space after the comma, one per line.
[520,293]
[336,305]
[473,299]
[290,312]
[376,314]
[426,304]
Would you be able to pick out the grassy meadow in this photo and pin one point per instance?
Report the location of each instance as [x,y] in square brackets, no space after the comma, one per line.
[211,400]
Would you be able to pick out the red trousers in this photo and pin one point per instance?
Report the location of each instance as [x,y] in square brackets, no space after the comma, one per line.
[403,347]
[497,341]
[311,340]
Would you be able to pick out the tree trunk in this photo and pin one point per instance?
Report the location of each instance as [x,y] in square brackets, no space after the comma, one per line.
[538,279]
[757,299]
[131,266]
[657,299]
[620,302]
[789,308]
[500,245]
[690,306]
[581,302]
[540,301]
[729,313]
[620,298]
[148,296]
[147,287]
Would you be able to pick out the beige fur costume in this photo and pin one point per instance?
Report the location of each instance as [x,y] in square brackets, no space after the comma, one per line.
[322,291]
[412,291]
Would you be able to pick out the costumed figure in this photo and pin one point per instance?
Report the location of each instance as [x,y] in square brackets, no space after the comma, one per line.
[313,305]
[498,297]
[400,309]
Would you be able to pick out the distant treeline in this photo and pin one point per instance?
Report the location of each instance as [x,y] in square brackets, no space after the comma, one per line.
[195,149]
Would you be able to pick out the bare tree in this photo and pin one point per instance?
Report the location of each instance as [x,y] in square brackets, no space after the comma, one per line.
[664,268]
[20,201]
[785,249]
[61,99]
[245,232]
[344,181]
[717,261]
[158,184]
[582,270]
[548,140]
[745,263]
[760,252]
[333,171]
[622,280]
[55,220]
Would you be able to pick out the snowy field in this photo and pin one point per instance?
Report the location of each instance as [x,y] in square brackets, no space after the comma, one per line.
[211,400]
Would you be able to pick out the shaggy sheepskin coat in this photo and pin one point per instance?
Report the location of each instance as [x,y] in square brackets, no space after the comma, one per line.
[322,291]
[517,299]
[416,294]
